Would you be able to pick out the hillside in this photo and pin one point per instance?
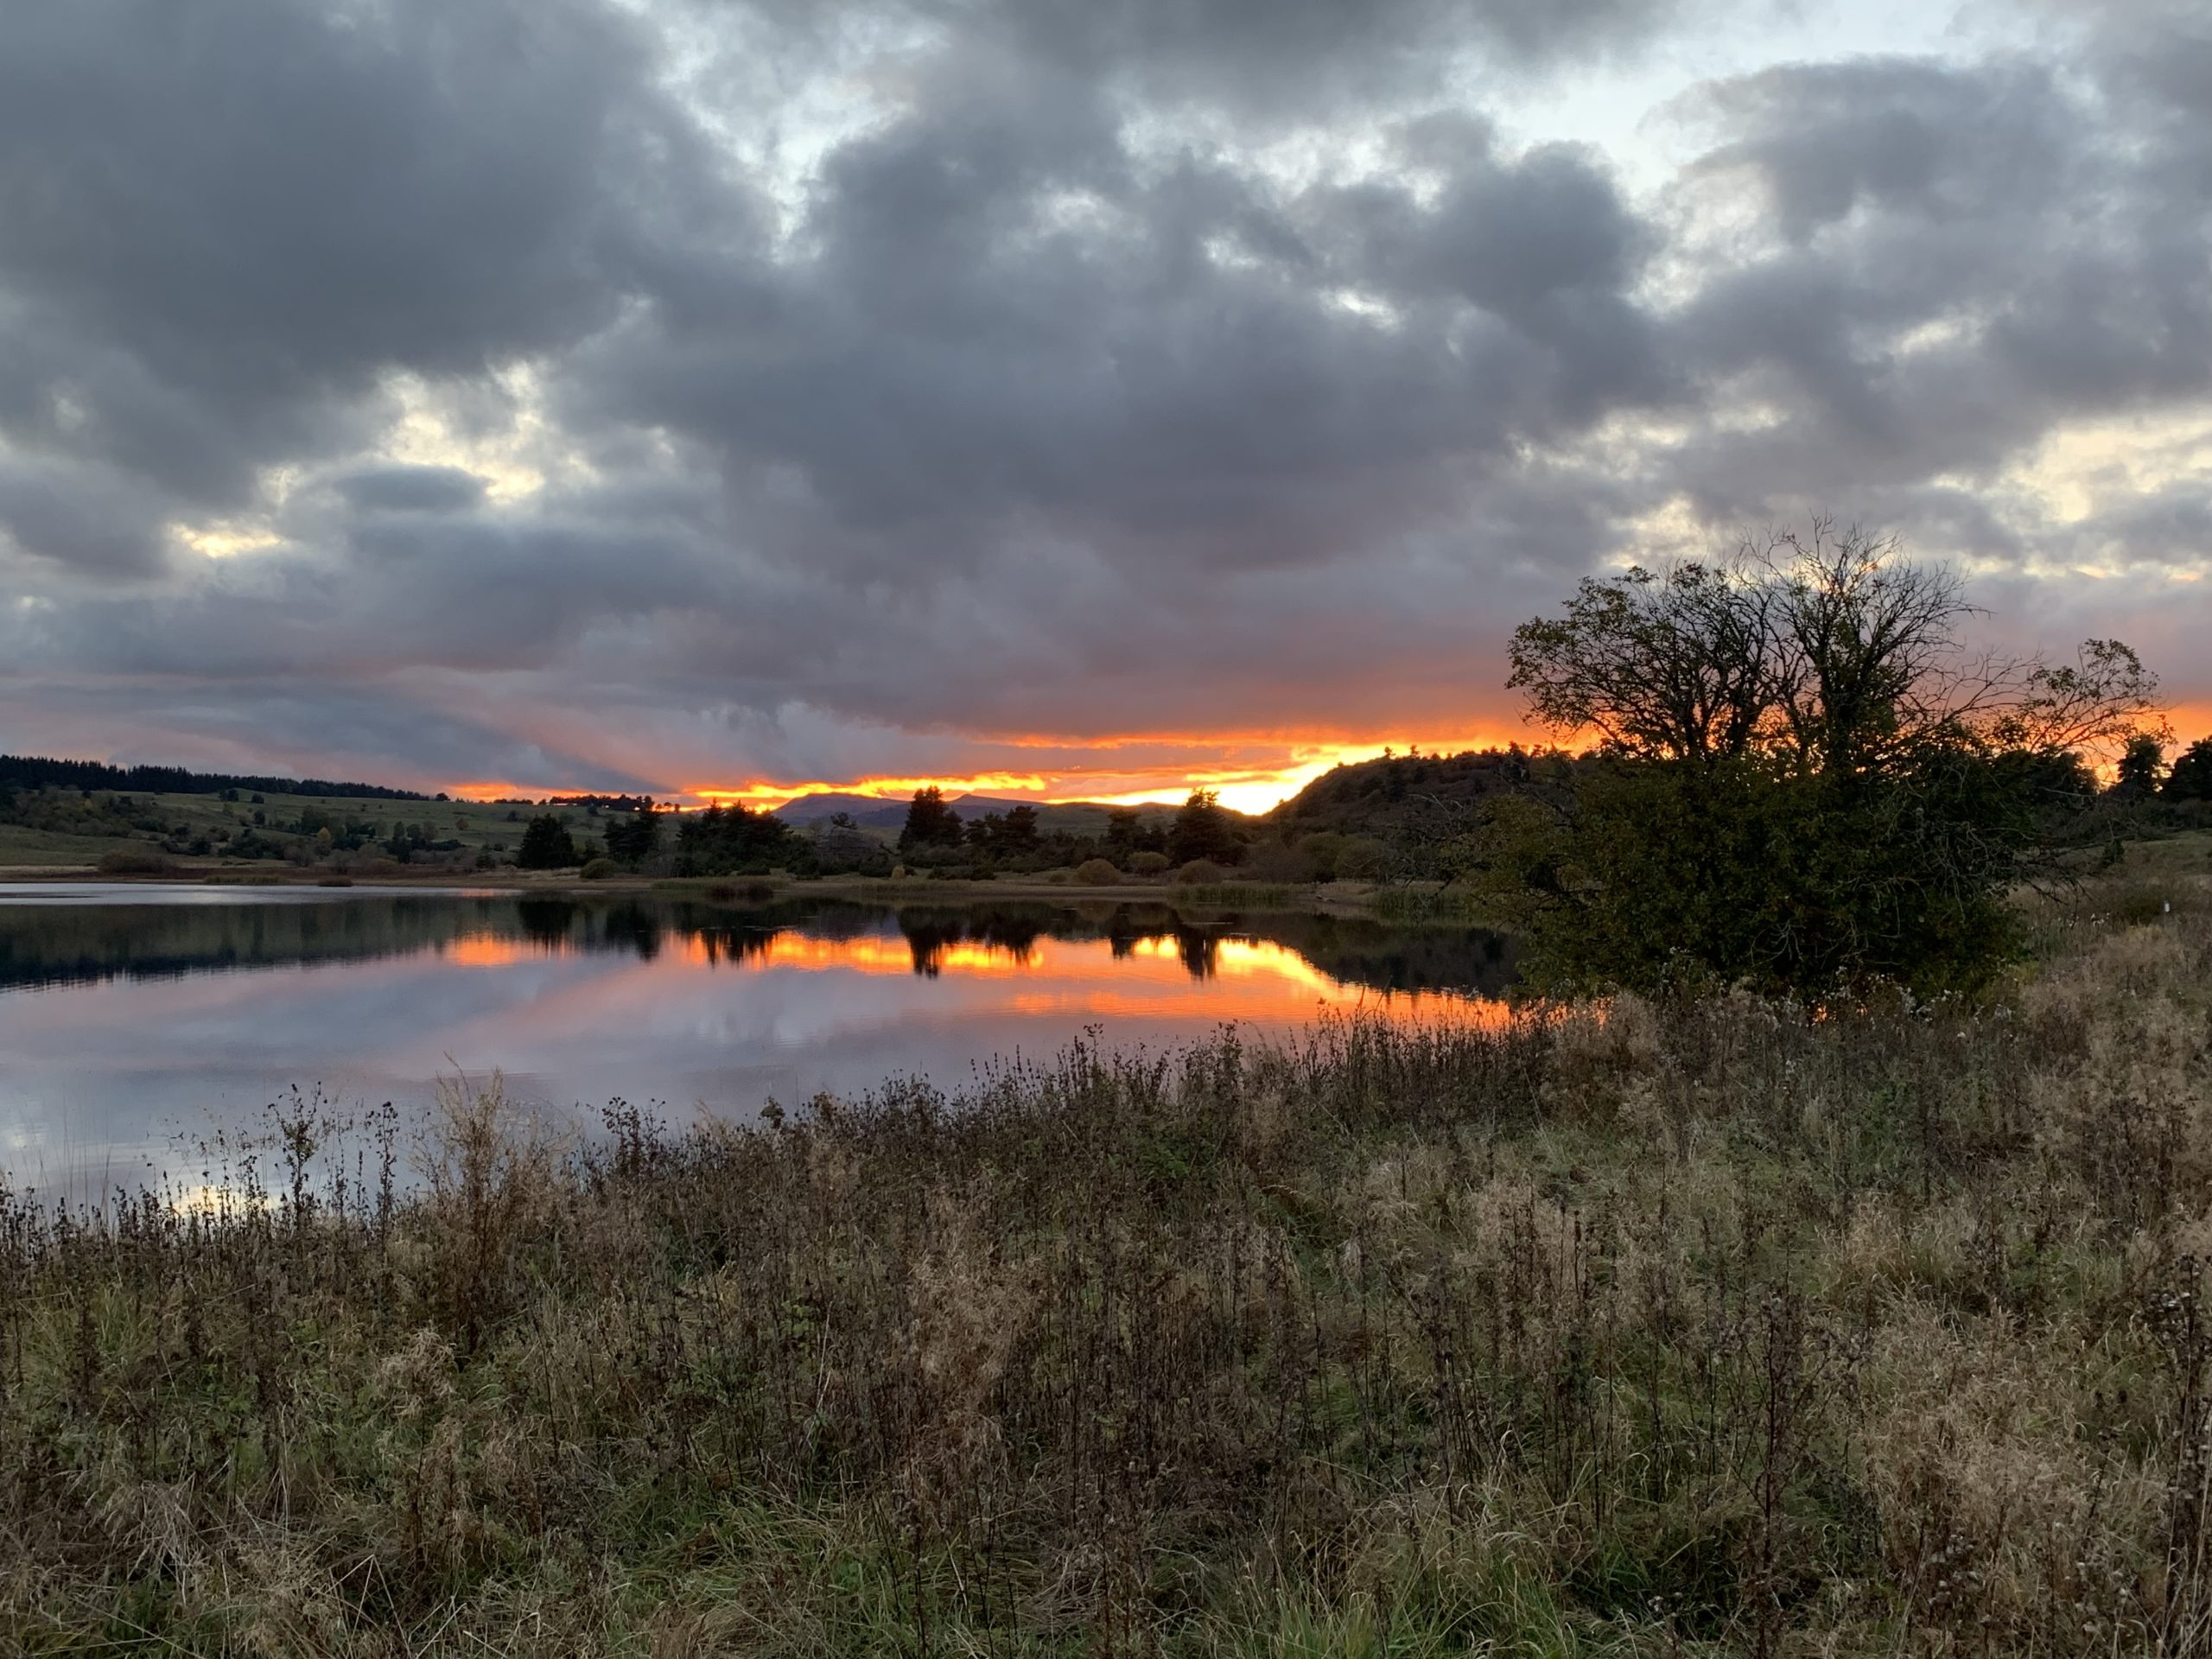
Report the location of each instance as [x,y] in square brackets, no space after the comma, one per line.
[1392,797]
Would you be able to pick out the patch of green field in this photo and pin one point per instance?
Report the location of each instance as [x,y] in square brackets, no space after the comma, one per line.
[23,848]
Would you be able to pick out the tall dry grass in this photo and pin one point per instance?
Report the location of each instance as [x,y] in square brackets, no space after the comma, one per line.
[1707,1327]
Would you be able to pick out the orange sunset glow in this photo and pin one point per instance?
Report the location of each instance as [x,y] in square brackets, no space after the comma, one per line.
[1290,764]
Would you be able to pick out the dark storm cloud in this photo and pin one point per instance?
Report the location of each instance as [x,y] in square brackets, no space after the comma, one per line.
[1127,366]
[1166,367]
[222,220]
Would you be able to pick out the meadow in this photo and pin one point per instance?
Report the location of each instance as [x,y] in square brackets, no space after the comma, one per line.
[1714,1324]
[478,826]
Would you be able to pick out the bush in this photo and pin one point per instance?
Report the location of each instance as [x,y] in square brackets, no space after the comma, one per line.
[1150,863]
[1200,870]
[600,869]
[1097,873]
[1361,858]
[132,860]
[1275,863]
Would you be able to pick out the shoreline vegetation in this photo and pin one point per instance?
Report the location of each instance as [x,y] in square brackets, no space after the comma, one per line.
[1695,1324]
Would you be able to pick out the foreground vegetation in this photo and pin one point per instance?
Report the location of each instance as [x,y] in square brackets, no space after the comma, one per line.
[1652,1327]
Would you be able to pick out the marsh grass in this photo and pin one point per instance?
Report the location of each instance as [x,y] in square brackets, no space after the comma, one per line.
[1717,1326]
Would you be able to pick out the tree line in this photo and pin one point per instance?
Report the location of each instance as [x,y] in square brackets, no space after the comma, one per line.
[24,771]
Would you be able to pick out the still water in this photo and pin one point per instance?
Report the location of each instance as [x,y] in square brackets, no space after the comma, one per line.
[134,1020]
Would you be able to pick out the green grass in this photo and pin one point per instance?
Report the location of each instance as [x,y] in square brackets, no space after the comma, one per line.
[40,849]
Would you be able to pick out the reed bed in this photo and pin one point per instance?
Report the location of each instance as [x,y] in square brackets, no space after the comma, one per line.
[1717,1326]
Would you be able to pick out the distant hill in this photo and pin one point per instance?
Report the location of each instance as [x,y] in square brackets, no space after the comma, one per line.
[1387,798]
[36,771]
[870,811]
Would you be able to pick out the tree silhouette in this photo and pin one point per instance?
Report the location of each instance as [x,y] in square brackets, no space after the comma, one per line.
[930,822]
[546,845]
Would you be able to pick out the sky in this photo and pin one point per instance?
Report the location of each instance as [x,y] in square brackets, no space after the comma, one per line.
[1079,398]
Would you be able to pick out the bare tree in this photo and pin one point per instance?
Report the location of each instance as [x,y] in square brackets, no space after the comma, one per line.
[1826,650]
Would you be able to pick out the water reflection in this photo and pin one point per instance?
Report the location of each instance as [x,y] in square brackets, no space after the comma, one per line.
[127,1016]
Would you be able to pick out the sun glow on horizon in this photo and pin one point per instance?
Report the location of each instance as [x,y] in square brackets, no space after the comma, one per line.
[1256,786]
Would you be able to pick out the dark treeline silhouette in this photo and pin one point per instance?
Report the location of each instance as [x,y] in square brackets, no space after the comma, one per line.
[36,771]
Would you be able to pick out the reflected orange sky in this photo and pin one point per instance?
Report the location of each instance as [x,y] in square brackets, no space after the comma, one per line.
[1257,980]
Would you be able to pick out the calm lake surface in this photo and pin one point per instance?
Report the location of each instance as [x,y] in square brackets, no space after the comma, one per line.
[135,1021]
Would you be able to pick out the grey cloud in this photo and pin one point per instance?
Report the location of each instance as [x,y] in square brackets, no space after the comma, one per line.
[79,517]
[1170,374]
[411,489]
[1898,135]
[224,219]
[1963,258]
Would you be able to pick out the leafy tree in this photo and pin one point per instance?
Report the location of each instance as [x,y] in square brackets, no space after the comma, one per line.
[2190,776]
[1203,830]
[546,845]
[1803,778]
[930,822]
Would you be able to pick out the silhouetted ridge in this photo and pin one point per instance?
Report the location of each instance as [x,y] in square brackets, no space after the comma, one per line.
[37,771]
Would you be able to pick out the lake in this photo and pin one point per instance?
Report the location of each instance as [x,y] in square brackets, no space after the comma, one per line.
[135,1019]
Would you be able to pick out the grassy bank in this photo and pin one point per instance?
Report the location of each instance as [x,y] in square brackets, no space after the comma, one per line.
[1696,1328]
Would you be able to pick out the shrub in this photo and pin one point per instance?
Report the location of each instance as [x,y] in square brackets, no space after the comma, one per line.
[1273,862]
[1097,873]
[1150,863]
[132,860]
[1361,858]
[600,869]
[1199,871]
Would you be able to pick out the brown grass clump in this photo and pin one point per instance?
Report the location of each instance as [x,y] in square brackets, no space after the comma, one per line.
[1715,1326]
